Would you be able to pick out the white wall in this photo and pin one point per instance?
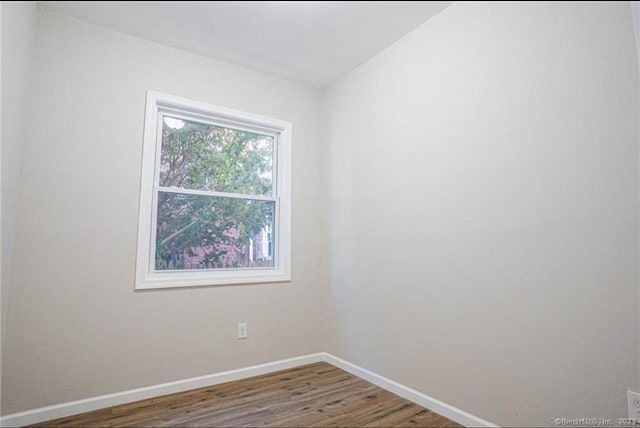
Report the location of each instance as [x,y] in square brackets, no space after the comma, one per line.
[76,327]
[484,211]
[18,24]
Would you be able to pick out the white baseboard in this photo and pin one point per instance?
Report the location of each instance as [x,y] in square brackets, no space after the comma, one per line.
[446,410]
[43,414]
[86,405]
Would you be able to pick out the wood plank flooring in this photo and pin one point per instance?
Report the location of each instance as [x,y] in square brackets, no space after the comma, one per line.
[309,396]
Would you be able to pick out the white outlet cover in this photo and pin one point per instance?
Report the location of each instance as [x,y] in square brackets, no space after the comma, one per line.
[633,403]
[242,330]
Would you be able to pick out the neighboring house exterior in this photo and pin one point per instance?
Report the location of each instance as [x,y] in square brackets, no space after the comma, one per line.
[258,252]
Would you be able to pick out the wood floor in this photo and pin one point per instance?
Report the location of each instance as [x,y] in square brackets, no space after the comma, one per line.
[314,395]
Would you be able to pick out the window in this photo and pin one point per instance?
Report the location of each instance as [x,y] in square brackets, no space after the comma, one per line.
[214,196]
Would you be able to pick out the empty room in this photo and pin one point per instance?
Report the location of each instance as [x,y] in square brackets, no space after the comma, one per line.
[308,213]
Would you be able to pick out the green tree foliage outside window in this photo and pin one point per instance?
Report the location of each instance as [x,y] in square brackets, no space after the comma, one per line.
[196,231]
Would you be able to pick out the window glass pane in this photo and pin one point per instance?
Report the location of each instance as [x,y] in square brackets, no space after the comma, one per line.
[207,232]
[206,157]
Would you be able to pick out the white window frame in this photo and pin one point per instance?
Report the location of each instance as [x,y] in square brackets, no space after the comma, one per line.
[147,277]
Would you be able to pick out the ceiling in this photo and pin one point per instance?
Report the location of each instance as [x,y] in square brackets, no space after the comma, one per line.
[315,42]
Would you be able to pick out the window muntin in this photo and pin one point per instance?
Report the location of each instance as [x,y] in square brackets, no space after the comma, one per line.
[220,196]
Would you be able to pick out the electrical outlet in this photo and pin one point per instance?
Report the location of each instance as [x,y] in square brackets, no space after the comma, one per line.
[633,400]
[242,330]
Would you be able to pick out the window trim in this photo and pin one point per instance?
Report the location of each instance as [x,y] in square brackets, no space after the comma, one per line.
[158,104]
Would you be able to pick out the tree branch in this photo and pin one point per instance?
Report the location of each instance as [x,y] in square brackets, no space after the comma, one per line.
[177,232]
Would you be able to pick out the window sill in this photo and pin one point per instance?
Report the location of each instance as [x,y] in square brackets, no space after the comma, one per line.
[203,279]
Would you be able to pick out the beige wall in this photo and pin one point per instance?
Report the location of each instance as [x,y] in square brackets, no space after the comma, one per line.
[481,216]
[484,211]
[76,328]
[18,38]
[635,13]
